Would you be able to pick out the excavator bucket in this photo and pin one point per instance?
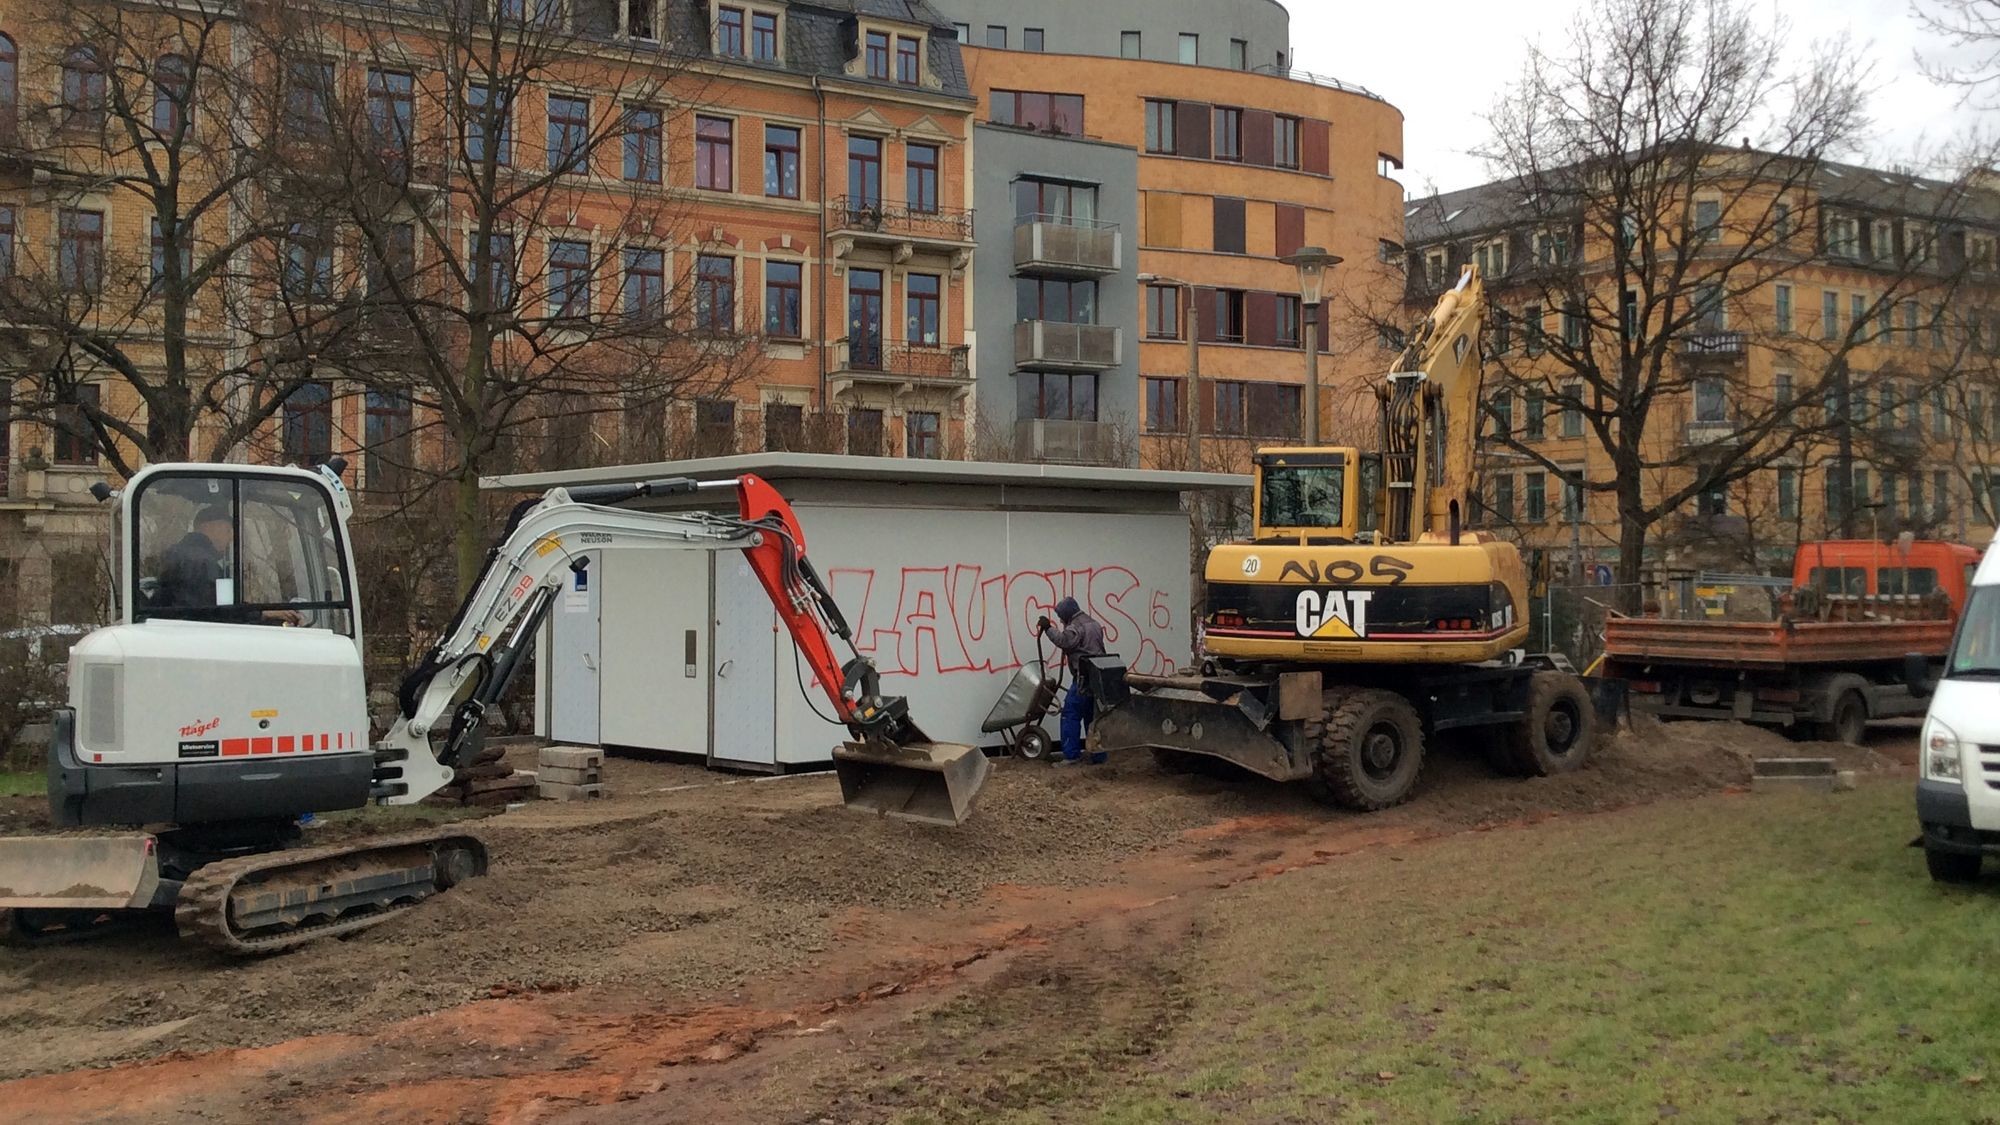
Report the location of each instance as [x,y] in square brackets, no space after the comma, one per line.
[922,782]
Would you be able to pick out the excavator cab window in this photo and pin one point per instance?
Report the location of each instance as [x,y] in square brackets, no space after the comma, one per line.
[239,549]
[1304,495]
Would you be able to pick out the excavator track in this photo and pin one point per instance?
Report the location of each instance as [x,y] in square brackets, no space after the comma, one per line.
[274,901]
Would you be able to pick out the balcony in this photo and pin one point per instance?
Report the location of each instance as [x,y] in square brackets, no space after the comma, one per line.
[1052,345]
[1722,346]
[1059,247]
[873,222]
[902,365]
[1717,433]
[1064,442]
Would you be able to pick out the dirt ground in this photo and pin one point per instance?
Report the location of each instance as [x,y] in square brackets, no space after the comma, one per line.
[692,915]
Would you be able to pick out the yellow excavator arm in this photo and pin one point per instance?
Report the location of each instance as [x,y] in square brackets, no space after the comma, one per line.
[1431,418]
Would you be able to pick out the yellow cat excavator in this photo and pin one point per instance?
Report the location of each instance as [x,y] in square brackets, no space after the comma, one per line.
[1363,619]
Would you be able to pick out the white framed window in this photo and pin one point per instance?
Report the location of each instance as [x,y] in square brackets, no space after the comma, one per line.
[1491,257]
[1843,236]
[1882,240]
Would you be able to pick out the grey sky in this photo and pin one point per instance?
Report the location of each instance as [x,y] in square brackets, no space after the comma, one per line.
[1444,63]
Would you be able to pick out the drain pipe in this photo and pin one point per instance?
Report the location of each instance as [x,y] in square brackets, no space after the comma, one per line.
[825,266]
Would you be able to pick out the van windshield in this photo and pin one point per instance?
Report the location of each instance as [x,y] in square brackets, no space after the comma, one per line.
[1975,652]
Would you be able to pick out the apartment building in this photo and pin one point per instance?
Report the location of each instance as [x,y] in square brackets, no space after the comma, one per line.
[1848,320]
[1240,160]
[795,187]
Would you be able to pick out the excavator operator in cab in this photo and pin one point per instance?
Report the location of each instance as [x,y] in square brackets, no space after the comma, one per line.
[1080,638]
[190,569]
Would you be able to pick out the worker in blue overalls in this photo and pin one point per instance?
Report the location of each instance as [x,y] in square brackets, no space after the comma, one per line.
[1080,638]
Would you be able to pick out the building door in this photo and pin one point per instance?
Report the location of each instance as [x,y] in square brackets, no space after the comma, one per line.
[745,686]
[576,649]
[864,319]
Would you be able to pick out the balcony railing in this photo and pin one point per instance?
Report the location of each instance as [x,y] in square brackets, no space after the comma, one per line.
[1051,244]
[1085,347]
[1308,76]
[894,221]
[1064,442]
[1729,345]
[896,361]
[1708,434]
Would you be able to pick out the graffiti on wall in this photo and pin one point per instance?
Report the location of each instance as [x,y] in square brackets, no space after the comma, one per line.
[965,619]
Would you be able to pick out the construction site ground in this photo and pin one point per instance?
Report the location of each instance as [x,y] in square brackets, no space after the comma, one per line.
[702,947]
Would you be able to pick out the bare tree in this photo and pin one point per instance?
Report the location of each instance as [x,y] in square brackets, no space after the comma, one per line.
[1970,31]
[1662,177]
[156,110]
[533,280]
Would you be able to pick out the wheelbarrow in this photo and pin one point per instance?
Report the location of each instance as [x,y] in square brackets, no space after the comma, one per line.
[1019,712]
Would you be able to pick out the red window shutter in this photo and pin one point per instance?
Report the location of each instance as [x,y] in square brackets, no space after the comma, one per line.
[1323,318]
[1205,301]
[1259,125]
[1192,124]
[1260,316]
[1229,225]
[1291,228]
[1315,147]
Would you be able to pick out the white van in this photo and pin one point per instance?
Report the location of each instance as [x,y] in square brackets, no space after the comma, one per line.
[1958,784]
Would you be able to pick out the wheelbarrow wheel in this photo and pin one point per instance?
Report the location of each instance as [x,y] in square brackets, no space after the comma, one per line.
[1033,745]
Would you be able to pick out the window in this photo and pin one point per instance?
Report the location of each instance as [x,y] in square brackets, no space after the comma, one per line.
[1231,408]
[1228,143]
[74,437]
[1979,251]
[1552,247]
[1435,262]
[1531,329]
[784,300]
[1389,253]
[1889,485]
[729,32]
[1781,220]
[1502,507]
[1941,493]
[1491,257]
[922,176]
[391,117]
[1054,201]
[10,86]
[1031,39]
[909,67]
[1707,219]
[1502,340]
[500,270]
[1788,493]
[1128,45]
[1274,410]
[996,36]
[864,432]
[308,268]
[1163,406]
[1536,490]
[1710,403]
[784,426]
[1046,113]
[1502,409]
[308,94]
[308,424]
[1911,329]
[714,153]
[1882,240]
[1229,235]
[386,432]
[1843,236]
[185,257]
[921,325]
[1575,325]
[1572,410]
[1163,312]
[1285,142]
[1781,389]
[1829,315]
[1053,299]
[569,133]
[964,33]
[1534,413]
[763,37]
[1708,309]
[80,250]
[486,116]
[1190,48]
[643,144]
[1239,54]
[1229,315]
[170,94]
[864,319]
[639,21]
[645,283]
[715,294]
[1573,497]
[877,55]
[1050,395]
[6,260]
[1940,417]
[1783,297]
[1287,331]
[864,172]
[569,279]
[920,435]
[714,427]
[1937,326]
[1628,315]
[1162,127]
[781,162]
[83,88]
[397,259]
[1885,323]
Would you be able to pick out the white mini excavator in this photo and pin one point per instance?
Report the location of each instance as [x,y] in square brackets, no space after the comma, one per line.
[228,700]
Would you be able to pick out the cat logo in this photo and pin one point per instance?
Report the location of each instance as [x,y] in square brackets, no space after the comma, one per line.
[1334,614]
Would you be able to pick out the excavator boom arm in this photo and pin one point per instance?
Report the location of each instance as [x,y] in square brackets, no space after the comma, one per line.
[1431,415]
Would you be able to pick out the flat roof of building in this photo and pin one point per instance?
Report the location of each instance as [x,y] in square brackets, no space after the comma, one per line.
[886,470]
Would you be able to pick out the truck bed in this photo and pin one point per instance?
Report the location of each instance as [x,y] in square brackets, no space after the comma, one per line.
[1770,644]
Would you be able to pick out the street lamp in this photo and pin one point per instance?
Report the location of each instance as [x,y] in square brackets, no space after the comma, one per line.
[1194,361]
[1312,263]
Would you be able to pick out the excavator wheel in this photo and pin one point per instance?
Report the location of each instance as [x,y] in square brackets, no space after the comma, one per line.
[1370,749]
[1557,733]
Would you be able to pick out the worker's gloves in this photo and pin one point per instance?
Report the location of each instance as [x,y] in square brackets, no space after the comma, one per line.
[1042,623]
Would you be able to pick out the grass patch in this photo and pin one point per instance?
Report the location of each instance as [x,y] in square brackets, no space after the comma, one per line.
[1725,959]
[32,783]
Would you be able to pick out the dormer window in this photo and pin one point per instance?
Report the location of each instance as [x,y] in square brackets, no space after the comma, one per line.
[744,32]
[764,36]
[729,32]
[641,20]
[1491,257]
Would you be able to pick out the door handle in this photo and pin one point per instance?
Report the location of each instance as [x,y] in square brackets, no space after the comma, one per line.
[589,663]
[722,673]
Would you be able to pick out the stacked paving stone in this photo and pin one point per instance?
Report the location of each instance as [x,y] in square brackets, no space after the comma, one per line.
[485,781]
[570,773]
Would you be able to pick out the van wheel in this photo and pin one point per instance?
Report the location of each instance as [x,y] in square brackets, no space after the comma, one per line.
[1556,734]
[1369,750]
[1849,723]
[1951,867]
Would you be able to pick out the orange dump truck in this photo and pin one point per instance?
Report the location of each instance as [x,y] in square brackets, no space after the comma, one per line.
[1834,658]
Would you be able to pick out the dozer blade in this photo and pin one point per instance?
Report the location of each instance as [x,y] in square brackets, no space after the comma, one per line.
[924,782]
